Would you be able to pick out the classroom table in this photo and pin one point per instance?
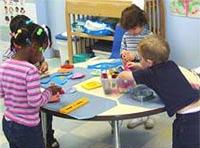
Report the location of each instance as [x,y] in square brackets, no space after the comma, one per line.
[119,112]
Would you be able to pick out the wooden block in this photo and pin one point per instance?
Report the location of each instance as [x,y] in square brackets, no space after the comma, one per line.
[74,105]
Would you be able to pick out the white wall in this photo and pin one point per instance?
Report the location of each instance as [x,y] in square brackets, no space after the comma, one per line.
[51,12]
[56,16]
[183,35]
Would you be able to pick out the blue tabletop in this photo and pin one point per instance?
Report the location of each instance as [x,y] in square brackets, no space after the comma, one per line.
[96,104]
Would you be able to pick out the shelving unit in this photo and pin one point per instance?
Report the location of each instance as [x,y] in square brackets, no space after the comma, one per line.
[104,8]
[110,8]
[80,34]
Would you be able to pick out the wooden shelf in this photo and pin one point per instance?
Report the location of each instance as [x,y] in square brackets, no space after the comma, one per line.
[84,35]
[111,8]
[104,8]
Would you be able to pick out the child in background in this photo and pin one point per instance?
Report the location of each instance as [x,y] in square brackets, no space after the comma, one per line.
[20,88]
[134,20]
[16,23]
[168,81]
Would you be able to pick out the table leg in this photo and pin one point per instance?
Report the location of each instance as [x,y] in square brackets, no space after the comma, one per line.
[116,133]
[44,126]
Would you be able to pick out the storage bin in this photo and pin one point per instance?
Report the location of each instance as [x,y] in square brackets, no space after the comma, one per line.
[77,58]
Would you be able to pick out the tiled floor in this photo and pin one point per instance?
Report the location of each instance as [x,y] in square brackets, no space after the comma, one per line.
[84,134]
[81,134]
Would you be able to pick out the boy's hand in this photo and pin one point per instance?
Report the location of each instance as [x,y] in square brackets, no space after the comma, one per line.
[126,75]
[43,67]
[133,66]
[195,86]
[130,65]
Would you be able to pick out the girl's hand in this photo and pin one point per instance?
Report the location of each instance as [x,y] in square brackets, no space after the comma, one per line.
[43,67]
[55,98]
[55,89]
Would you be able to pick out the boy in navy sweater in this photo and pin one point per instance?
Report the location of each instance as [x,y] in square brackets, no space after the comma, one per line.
[168,81]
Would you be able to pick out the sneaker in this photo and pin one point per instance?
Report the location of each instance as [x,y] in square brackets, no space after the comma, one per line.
[53,144]
[135,122]
[149,123]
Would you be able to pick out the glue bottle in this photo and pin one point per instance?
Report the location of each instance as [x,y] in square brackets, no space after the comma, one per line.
[105,82]
[114,83]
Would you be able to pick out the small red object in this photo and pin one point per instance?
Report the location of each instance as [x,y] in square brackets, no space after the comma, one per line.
[64,70]
[67,66]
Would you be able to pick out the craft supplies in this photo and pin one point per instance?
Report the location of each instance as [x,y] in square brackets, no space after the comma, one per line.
[77,76]
[70,90]
[57,78]
[125,85]
[64,70]
[113,85]
[105,65]
[91,85]
[105,82]
[96,72]
[74,105]
[67,66]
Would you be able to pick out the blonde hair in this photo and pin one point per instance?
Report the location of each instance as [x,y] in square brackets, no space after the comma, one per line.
[154,49]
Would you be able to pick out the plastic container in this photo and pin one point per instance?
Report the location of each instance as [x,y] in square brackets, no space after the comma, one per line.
[142,93]
[77,58]
[124,86]
[115,85]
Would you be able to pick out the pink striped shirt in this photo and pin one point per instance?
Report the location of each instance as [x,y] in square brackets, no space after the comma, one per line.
[20,88]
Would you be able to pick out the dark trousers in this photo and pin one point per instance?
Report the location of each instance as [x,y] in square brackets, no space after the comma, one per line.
[20,136]
[50,131]
[186,131]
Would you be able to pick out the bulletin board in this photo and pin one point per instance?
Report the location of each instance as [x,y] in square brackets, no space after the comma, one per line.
[11,8]
[188,8]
